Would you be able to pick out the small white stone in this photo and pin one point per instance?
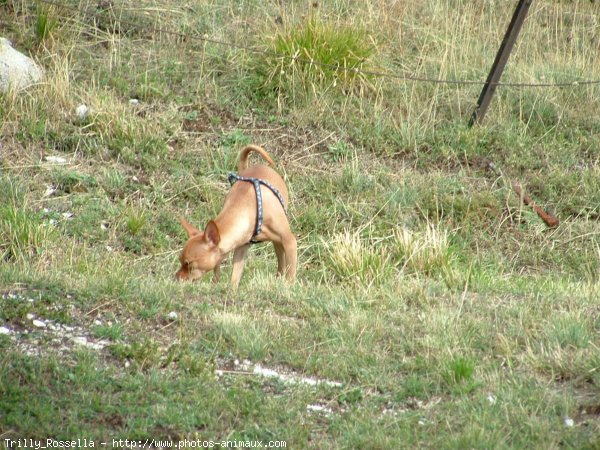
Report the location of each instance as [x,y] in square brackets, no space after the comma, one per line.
[55,159]
[172,315]
[80,340]
[134,102]
[269,373]
[49,191]
[30,316]
[569,422]
[39,324]
[97,345]
[491,399]
[4,330]
[82,111]
[319,408]
[127,363]
[97,322]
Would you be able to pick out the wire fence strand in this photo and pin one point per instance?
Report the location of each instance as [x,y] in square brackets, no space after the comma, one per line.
[374,73]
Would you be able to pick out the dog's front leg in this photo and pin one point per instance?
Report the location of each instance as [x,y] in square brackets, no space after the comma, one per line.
[239,258]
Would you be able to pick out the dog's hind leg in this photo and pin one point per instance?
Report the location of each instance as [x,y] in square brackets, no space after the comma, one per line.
[280,252]
[290,247]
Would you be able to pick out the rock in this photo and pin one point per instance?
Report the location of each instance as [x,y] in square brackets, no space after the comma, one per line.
[81,340]
[569,422]
[50,190]
[55,159]
[39,324]
[82,112]
[17,71]
[4,330]
[319,409]
[172,315]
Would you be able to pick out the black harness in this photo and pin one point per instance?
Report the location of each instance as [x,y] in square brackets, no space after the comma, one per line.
[233,177]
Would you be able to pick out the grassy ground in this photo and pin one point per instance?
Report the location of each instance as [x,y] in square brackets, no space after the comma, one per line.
[448,311]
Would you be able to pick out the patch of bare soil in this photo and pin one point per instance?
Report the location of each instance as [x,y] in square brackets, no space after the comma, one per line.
[288,143]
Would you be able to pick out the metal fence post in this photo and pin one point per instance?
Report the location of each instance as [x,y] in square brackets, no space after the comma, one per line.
[501,58]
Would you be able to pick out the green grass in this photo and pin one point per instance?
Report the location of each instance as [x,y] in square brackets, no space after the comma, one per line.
[45,22]
[290,73]
[24,234]
[451,316]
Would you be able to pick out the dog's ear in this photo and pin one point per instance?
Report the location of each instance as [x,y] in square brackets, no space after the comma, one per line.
[191,230]
[211,233]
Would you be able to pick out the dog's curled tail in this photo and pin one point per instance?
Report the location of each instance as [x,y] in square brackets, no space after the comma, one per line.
[243,164]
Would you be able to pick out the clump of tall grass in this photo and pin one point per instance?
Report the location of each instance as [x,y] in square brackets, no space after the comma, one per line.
[314,56]
[135,220]
[373,260]
[425,252]
[45,22]
[22,234]
[353,258]
[459,370]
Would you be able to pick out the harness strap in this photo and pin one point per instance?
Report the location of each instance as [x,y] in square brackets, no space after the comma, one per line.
[233,177]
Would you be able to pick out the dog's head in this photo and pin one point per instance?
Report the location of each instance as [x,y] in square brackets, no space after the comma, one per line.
[200,253]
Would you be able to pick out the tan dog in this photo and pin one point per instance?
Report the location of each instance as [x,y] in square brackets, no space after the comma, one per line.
[237,223]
